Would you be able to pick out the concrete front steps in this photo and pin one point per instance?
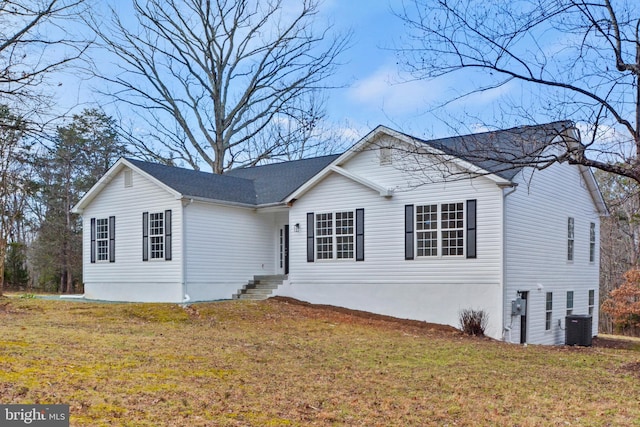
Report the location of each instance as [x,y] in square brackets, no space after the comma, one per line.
[260,287]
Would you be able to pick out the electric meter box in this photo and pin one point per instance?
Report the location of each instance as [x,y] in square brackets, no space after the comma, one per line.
[519,307]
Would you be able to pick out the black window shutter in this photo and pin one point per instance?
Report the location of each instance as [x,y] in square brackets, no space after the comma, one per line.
[112,239]
[359,234]
[471,228]
[167,235]
[310,236]
[93,240]
[408,232]
[145,236]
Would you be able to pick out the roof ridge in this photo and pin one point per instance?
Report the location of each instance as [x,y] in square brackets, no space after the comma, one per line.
[501,131]
[283,162]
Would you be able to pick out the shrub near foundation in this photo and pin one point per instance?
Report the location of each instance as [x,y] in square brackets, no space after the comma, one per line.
[473,322]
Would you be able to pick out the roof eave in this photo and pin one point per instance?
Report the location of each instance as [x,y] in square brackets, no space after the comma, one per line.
[187,198]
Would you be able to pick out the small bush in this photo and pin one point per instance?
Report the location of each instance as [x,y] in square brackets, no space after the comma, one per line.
[473,322]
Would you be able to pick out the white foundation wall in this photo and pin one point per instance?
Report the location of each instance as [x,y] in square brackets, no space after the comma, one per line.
[129,278]
[537,244]
[424,301]
[133,291]
[432,289]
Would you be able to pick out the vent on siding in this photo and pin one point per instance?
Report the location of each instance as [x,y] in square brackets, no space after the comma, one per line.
[128,178]
[385,156]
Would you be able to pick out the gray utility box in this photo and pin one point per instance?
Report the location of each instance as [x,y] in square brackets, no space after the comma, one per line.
[578,329]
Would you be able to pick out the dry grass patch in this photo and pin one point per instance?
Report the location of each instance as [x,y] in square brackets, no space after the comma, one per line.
[278,363]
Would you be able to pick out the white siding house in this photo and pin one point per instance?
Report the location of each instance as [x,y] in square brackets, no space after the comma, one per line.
[395,225]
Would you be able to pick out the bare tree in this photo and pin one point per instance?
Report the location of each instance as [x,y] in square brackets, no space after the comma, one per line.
[34,43]
[577,60]
[619,235]
[300,130]
[210,76]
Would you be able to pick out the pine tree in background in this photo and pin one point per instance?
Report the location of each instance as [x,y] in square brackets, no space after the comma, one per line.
[82,152]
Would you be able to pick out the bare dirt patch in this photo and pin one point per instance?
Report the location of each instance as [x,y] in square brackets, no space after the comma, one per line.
[614,343]
[347,315]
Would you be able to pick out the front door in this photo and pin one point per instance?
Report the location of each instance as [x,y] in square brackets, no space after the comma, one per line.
[283,244]
[286,249]
[523,319]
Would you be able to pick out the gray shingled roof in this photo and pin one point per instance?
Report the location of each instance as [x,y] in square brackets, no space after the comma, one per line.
[257,185]
[502,152]
[274,182]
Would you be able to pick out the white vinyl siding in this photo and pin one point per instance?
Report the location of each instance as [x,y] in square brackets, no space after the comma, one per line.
[227,246]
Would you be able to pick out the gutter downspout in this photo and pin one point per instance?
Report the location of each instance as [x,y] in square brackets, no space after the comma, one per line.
[185,296]
[506,329]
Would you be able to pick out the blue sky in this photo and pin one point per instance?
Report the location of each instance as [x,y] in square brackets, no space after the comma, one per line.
[375,91]
[380,92]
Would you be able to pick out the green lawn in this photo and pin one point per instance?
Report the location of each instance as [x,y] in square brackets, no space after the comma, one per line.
[274,363]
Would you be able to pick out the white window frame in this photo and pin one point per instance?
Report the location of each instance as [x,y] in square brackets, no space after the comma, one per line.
[592,242]
[548,313]
[102,239]
[345,231]
[570,297]
[440,229]
[156,235]
[335,235]
[570,238]
[427,241]
[591,300]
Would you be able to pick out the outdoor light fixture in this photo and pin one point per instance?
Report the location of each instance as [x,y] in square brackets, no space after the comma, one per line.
[296,227]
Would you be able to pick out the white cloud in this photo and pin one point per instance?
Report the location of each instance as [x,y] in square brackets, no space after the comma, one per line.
[385,90]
